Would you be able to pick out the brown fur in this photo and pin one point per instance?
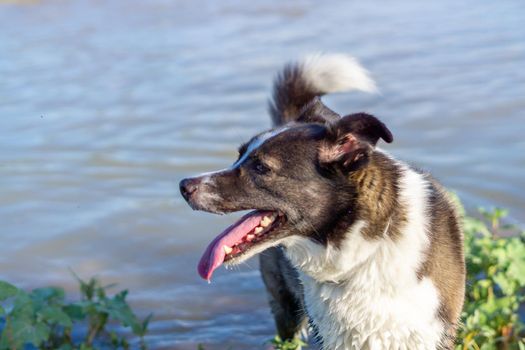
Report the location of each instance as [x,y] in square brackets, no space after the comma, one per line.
[377,198]
[445,260]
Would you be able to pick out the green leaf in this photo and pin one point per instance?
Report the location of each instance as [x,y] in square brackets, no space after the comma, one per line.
[48,294]
[75,311]
[55,315]
[66,347]
[506,285]
[517,271]
[22,305]
[145,324]
[119,310]
[44,298]
[7,290]
[287,344]
[7,340]
[20,330]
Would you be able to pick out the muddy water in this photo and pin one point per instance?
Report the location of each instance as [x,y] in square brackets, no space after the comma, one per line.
[105,106]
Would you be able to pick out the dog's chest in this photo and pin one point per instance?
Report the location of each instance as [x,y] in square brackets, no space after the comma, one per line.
[350,318]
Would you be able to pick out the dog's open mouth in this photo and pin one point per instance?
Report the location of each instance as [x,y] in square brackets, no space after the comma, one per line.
[252,229]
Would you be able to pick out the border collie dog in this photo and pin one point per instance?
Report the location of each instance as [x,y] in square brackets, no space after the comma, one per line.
[361,246]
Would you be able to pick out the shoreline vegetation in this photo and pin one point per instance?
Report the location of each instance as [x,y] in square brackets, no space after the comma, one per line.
[43,319]
[495,257]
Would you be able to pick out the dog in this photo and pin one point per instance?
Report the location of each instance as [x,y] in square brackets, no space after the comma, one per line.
[365,249]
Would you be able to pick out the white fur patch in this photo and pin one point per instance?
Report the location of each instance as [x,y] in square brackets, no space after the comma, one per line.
[366,294]
[336,73]
[258,142]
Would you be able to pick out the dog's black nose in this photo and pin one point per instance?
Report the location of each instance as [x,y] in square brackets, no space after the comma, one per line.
[188,187]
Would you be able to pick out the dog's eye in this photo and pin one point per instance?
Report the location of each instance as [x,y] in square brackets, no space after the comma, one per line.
[260,168]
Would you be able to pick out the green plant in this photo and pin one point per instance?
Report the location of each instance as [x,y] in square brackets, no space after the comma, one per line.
[43,319]
[279,344]
[495,285]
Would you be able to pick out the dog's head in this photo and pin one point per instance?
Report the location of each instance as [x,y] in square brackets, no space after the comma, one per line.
[296,177]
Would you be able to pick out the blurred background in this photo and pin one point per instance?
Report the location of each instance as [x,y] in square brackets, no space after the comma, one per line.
[106,105]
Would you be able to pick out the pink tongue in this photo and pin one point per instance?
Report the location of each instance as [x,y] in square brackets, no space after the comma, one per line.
[214,255]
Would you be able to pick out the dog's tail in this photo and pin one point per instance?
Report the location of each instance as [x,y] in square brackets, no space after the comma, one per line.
[316,75]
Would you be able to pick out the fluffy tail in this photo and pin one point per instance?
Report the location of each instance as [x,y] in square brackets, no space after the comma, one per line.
[316,75]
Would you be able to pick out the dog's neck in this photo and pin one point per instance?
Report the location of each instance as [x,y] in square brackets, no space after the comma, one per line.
[373,270]
[377,217]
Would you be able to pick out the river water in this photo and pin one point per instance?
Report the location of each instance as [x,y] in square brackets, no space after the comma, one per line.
[106,105]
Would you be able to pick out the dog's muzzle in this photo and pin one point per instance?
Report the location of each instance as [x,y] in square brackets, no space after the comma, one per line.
[188,187]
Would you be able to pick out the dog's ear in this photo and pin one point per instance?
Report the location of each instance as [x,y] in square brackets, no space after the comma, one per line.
[351,139]
[316,112]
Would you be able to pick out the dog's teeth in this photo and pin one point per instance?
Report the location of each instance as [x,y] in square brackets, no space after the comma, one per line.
[250,237]
[258,230]
[265,221]
[227,249]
